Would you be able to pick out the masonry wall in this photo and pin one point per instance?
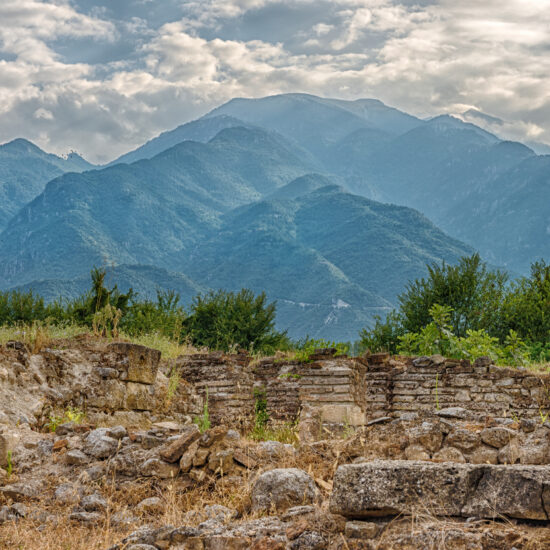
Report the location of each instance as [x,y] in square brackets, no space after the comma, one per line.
[354,391]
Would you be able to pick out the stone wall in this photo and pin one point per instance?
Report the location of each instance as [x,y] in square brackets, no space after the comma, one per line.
[356,391]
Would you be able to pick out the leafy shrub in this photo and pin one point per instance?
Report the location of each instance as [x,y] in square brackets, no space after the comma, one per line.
[227,321]
[438,337]
[306,347]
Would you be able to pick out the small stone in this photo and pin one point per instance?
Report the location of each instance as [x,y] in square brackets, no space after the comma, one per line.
[99,445]
[361,530]
[484,455]
[174,450]
[65,429]
[117,432]
[449,454]
[528,425]
[19,491]
[186,461]
[297,511]
[464,440]
[76,457]
[453,412]
[68,494]
[244,459]
[200,457]
[497,437]
[94,503]
[59,445]
[416,452]
[428,435]
[221,462]
[152,505]
[212,436]
[86,517]
[381,420]
[154,467]
[283,488]
[220,513]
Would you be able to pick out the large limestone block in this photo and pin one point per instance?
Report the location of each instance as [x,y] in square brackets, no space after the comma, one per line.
[390,487]
[465,490]
[142,361]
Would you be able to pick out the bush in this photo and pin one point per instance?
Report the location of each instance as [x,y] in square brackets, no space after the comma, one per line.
[438,337]
[227,321]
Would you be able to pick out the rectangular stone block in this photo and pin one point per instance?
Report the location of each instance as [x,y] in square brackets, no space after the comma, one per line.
[383,488]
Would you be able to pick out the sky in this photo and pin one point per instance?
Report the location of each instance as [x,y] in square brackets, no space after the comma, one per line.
[101,77]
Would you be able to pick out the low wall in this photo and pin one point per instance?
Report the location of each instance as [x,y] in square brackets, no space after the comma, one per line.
[355,391]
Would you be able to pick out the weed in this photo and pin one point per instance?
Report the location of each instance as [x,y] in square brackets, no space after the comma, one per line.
[173,382]
[203,421]
[437,391]
[9,467]
[71,414]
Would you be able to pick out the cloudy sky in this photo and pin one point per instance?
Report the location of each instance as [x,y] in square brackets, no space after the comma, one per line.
[103,76]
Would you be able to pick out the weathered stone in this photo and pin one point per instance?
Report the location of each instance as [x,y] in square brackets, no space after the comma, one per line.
[521,492]
[155,467]
[94,503]
[535,447]
[484,455]
[19,491]
[464,490]
[139,397]
[117,432]
[152,505]
[99,445]
[68,493]
[361,530]
[283,488]
[86,517]
[497,437]
[76,457]
[186,461]
[244,459]
[510,454]
[212,436]
[448,454]
[416,452]
[452,412]
[464,440]
[200,457]
[142,361]
[221,462]
[428,435]
[174,450]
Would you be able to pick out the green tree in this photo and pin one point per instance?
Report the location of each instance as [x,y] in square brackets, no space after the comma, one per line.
[473,291]
[227,320]
[526,309]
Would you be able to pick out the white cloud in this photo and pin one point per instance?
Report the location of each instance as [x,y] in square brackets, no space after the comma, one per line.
[439,57]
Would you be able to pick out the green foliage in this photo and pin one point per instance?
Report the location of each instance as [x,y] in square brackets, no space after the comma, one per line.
[203,421]
[438,337]
[261,416]
[9,465]
[71,414]
[227,321]
[385,335]
[470,289]
[306,347]
[526,308]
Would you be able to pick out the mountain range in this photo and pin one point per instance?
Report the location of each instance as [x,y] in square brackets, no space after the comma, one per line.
[293,194]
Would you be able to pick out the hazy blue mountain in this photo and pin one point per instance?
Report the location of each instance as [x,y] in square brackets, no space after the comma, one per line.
[202,130]
[143,279]
[314,123]
[509,218]
[332,260]
[148,212]
[24,171]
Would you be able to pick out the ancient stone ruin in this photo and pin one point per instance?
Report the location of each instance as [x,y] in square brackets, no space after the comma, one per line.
[389,452]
